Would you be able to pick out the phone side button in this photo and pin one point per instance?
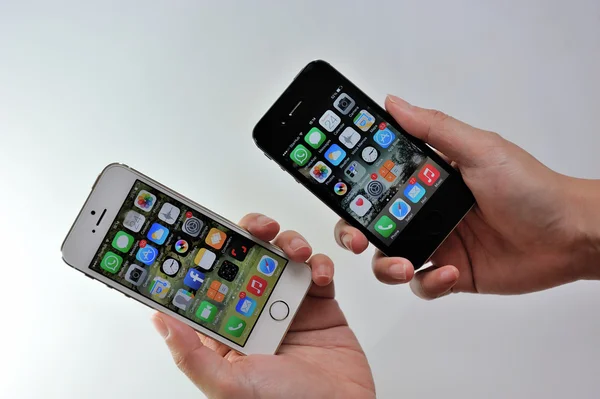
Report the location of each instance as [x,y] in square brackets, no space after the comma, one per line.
[279,310]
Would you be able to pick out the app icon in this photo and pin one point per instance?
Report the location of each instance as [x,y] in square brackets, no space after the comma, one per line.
[300,155]
[414,192]
[320,172]
[256,285]
[369,154]
[182,299]
[246,306]
[228,271]
[389,171]
[168,213]
[205,259]
[217,291]
[147,254]
[194,279]
[344,103]
[158,234]
[335,155]
[238,249]
[181,247]
[235,326]
[122,241]
[160,287]
[192,226]
[329,121]
[170,267]
[111,262]
[314,138]
[364,120]
[429,174]
[340,188]
[375,188]
[355,171]
[384,137]
[360,205]
[400,209]
[134,221]
[206,311]
[136,275]
[215,238]
[385,226]
[145,201]
[267,265]
[350,137]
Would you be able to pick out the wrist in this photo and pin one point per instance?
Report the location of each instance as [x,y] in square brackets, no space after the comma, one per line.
[584,207]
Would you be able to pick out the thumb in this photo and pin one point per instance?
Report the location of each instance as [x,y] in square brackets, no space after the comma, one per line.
[207,370]
[459,141]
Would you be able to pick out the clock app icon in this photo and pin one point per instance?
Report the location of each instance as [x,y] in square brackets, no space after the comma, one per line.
[370,154]
[170,267]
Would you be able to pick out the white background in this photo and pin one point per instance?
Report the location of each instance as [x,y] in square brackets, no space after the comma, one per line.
[174,89]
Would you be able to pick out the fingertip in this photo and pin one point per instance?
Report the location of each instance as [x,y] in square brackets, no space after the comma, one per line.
[434,282]
[264,228]
[322,269]
[359,243]
[393,270]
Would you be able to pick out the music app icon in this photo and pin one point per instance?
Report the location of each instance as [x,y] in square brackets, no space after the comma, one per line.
[256,286]
[429,174]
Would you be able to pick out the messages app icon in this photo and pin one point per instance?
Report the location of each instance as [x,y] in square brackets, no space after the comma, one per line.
[300,155]
[315,138]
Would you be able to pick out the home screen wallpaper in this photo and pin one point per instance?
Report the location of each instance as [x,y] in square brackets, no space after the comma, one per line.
[187,262]
[350,153]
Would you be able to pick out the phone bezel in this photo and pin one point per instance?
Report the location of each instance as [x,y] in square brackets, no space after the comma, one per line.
[420,238]
[110,191]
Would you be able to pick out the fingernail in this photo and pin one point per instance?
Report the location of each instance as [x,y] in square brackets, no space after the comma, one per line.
[160,326]
[297,244]
[398,271]
[448,276]
[398,101]
[347,241]
[322,271]
[263,220]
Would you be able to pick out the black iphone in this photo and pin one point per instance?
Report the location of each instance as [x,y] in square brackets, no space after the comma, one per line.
[343,147]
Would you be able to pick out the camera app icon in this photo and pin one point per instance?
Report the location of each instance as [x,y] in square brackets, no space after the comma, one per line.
[136,275]
[344,104]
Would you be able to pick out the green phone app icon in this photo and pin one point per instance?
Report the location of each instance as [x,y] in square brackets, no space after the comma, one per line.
[206,311]
[235,326]
[122,242]
[300,155]
[385,226]
[111,262]
[315,138]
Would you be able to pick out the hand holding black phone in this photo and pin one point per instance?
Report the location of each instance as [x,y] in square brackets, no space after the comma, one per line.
[352,155]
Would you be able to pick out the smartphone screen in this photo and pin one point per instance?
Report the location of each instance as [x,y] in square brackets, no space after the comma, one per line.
[348,151]
[188,263]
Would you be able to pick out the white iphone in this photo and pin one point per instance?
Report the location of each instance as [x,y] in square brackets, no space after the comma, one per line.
[169,253]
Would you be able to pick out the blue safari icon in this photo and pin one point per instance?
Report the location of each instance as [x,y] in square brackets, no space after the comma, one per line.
[267,265]
[400,209]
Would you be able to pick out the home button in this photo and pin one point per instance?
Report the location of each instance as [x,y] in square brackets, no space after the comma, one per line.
[279,310]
